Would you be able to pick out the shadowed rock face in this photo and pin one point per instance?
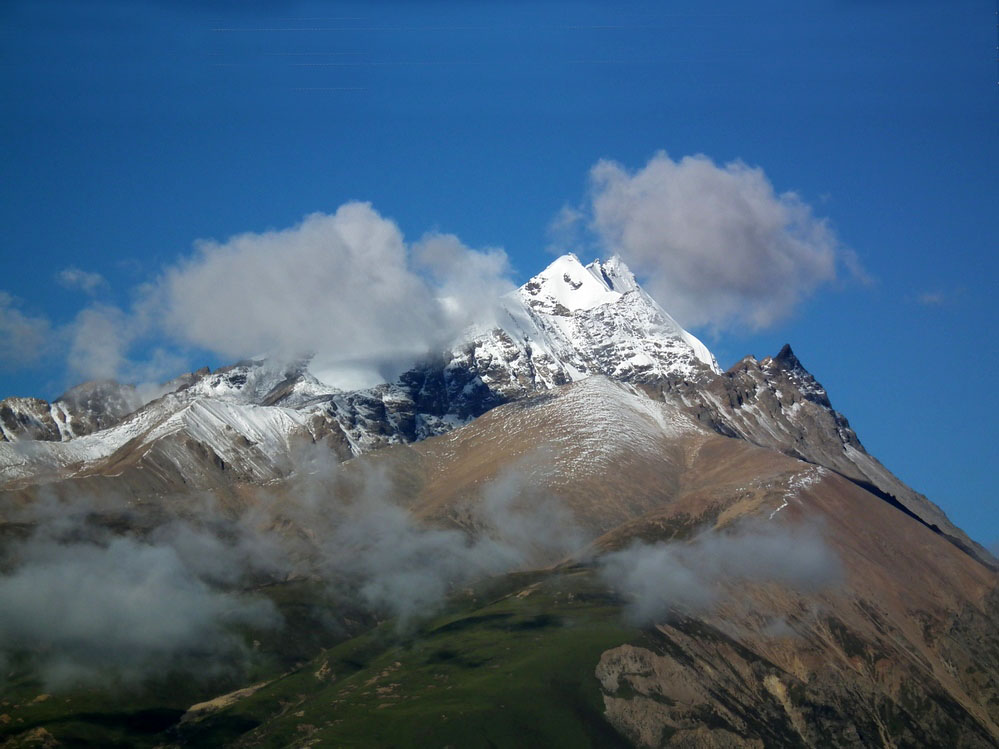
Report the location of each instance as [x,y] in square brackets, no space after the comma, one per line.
[776,403]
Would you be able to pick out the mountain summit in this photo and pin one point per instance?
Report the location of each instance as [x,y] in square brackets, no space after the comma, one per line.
[596,318]
[567,323]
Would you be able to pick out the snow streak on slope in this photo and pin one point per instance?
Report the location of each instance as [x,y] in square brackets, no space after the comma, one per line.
[46,460]
[220,411]
[809,477]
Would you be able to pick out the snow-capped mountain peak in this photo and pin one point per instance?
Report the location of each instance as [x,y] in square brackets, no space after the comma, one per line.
[596,319]
[567,323]
[573,286]
[567,286]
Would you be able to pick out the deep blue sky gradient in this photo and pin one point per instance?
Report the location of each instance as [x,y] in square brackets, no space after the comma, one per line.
[131,129]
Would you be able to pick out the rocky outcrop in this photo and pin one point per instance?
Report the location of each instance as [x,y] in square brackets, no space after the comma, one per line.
[694,685]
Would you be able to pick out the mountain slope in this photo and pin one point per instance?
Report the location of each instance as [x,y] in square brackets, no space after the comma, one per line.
[895,646]
[777,403]
[893,649]
[569,526]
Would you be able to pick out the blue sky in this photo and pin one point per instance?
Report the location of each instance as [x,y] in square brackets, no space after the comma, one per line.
[131,130]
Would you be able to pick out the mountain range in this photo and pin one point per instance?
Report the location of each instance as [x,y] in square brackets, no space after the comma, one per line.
[568,527]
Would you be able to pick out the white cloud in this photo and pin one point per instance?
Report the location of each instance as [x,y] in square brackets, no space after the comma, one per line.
[470,281]
[74,278]
[100,338]
[661,579]
[716,244]
[97,343]
[23,339]
[341,286]
[931,298]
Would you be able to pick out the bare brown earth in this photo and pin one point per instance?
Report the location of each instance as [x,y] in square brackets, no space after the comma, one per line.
[901,652]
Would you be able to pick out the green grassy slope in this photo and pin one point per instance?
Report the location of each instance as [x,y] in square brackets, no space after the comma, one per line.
[515,671]
[509,664]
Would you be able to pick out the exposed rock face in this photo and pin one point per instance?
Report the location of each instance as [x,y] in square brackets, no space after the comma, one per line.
[858,669]
[831,684]
[30,419]
[99,405]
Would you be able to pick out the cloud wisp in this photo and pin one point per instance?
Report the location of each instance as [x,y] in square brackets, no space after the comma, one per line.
[716,245]
[107,588]
[406,569]
[663,579]
[931,298]
[87,605]
[24,339]
[86,281]
[125,611]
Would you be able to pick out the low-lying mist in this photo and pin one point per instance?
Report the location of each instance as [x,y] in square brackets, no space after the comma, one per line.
[112,586]
[661,579]
[101,588]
